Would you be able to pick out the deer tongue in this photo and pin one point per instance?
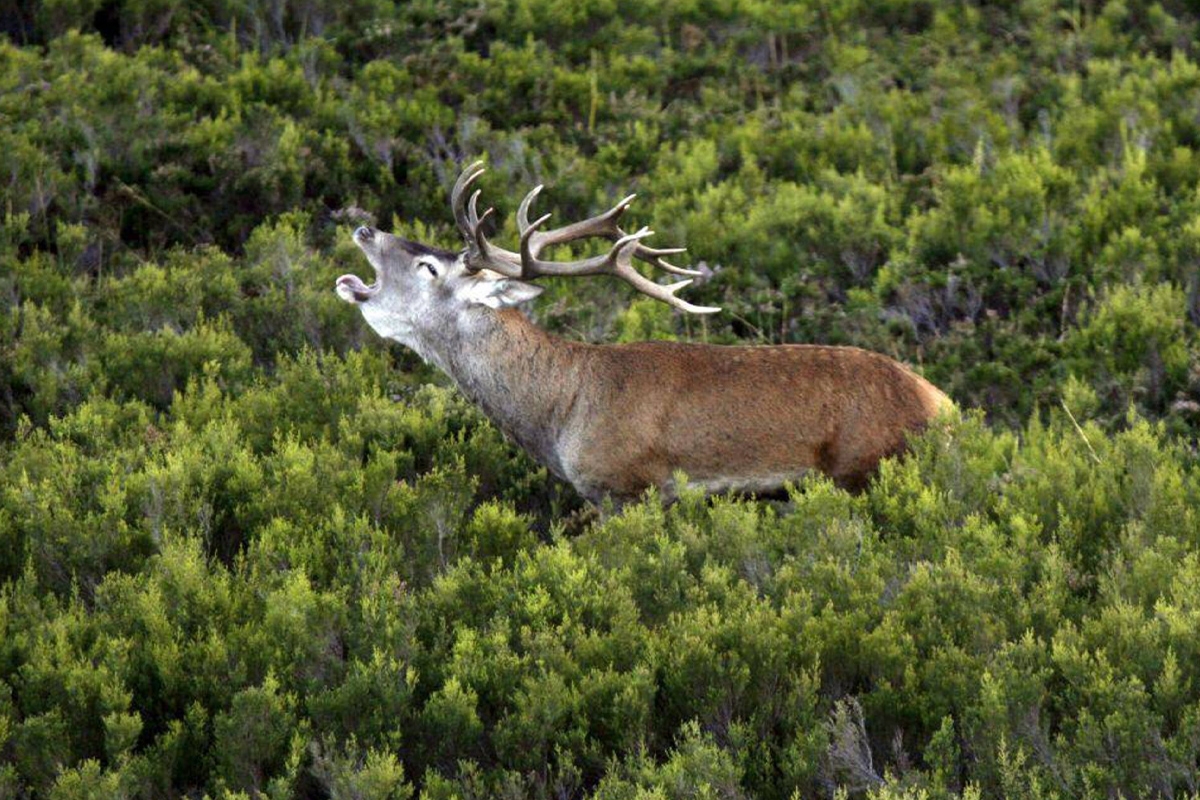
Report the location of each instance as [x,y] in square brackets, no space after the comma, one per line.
[352,289]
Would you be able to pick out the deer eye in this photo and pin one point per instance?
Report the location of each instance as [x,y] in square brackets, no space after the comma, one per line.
[432,269]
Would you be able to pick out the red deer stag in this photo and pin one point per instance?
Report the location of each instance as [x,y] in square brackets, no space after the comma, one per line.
[613,420]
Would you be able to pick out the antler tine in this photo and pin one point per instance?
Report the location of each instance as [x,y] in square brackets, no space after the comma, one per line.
[624,270]
[472,209]
[663,265]
[653,256]
[666,293]
[528,231]
[465,179]
[523,210]
[482,246]
[480,252]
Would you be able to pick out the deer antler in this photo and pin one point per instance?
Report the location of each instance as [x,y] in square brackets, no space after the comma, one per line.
[528,264]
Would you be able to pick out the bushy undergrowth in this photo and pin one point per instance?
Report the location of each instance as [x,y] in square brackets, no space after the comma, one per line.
[335,603]
[248,549]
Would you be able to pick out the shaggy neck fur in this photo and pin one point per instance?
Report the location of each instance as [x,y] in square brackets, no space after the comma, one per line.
[522,378]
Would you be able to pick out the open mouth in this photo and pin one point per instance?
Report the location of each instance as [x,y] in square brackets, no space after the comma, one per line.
[352,289]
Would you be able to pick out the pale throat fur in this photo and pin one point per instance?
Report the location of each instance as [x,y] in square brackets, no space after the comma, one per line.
[520,376]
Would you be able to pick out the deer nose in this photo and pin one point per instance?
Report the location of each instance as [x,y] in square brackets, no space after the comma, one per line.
[364,234]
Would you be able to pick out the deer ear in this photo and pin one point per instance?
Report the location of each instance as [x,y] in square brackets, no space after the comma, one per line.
[503,293]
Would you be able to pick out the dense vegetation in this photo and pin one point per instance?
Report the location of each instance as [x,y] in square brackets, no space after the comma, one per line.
[247,548]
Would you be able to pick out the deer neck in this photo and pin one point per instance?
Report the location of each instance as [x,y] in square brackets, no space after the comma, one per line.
[521,377]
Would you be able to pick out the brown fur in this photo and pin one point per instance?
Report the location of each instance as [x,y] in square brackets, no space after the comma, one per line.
[730,417]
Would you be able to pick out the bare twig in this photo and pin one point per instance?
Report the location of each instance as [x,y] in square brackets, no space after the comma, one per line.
[1079,430]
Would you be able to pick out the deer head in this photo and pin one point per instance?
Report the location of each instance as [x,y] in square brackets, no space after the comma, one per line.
[418,287]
